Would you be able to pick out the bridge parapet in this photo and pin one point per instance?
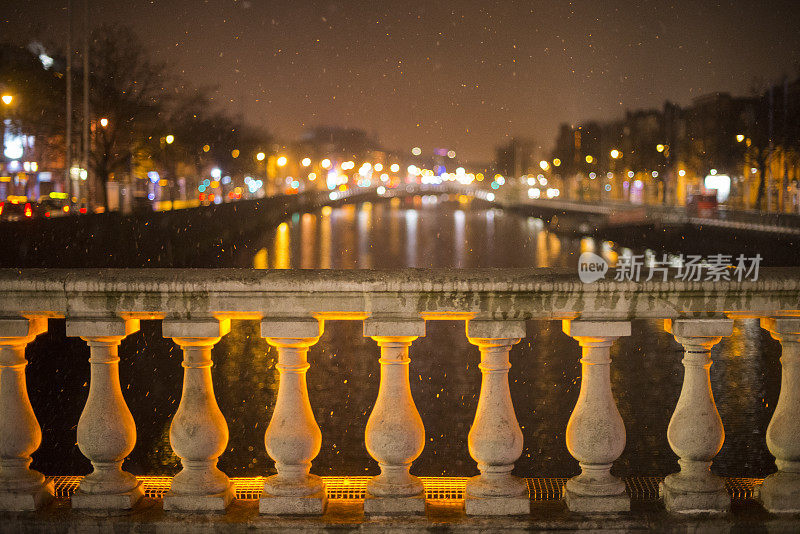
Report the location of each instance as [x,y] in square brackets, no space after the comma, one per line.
[196,306]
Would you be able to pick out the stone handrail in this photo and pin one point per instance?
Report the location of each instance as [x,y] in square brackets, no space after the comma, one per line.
[196,306]
[486,293]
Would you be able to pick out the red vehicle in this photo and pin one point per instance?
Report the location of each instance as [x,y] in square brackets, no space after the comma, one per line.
[703,205]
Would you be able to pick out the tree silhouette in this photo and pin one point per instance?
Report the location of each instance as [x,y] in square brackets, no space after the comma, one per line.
[127,89]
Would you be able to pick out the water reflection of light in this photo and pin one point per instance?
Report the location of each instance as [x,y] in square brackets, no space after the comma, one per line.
[282,252]
[308,227]
[394,231]
[345,222]
[542,256]
[608,253]
[460,241]
[411,238]
[364,227]
[535,224]
[554,246]
[261,260]
[490,233]
[325,238]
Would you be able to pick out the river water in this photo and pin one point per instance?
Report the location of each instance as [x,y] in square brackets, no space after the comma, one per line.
[445,379]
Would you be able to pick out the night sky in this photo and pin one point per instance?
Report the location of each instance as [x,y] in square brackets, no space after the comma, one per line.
[460,74]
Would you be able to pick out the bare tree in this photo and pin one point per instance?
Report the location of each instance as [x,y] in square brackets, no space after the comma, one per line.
[126,96]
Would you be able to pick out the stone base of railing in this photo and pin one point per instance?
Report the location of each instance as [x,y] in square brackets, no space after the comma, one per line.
[313,504]
[32,499]
[494,506]
[693,502]
[403,506]
[116,501]
[444,506]
[217,503]
[781,491]
[444,509]
[446,489]
[597,503]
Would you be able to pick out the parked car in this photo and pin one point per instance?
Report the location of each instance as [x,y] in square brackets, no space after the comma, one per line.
[52,207]
[15,208]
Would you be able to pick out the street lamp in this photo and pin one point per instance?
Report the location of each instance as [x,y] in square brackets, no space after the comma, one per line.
[282,161]
[262,157]
[104,122]
[7,99]
[170,164]
[615,154]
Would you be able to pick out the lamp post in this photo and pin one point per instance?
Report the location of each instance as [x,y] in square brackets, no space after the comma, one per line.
[616,155]
[168,140]
[743,192]
[589,161]
[280,162]
[7,99]
[262,157]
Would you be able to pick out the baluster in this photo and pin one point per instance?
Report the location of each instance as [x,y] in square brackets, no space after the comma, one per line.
[394,435]
[293,437]
[595,431]
[198,433]
[21,488]
[495,439]
[780,492]
[106,430]
[695,431]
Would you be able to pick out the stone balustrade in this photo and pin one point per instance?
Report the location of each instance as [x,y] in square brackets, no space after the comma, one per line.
[196,306]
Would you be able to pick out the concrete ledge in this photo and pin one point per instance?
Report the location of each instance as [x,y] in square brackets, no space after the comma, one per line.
[780,493]
[243,517]
[182,295]
[682,502]
[497,506]
[414,505]
[597,504]
[281,505]
[30,500]
[174,502]
[117,501]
